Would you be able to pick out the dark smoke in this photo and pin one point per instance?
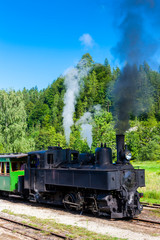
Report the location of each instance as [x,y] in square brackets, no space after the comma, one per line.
[125,97]
[135,46]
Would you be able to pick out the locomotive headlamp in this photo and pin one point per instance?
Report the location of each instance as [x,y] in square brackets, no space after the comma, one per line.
[128,155]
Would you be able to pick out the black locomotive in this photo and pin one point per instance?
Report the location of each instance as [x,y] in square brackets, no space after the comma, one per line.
[85,181]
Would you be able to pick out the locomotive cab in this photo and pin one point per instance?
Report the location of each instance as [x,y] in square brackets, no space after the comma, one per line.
[57,157]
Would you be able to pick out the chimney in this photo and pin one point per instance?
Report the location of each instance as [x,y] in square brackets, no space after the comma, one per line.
[120,147]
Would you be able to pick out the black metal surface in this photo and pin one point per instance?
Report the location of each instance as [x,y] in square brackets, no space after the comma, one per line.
[103,156]
[120,147]
[20,184]
[89,179]
[95,182]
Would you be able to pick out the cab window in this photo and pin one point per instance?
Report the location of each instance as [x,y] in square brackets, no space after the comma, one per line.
[74,157]
[50,159]
[15,166]
[34,161]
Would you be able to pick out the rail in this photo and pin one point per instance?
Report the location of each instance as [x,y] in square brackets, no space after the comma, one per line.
[59,236]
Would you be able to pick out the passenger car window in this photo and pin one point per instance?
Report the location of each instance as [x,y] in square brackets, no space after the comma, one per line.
[7,167]
[2,168]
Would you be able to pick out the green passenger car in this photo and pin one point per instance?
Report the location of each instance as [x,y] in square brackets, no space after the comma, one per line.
[11,167]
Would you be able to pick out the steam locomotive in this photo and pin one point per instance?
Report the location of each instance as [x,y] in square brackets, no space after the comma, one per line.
[82,182]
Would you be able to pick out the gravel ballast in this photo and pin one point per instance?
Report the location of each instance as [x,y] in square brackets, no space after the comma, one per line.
[119,229]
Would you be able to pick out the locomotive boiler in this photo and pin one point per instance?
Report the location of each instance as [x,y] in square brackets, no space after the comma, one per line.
[85,181]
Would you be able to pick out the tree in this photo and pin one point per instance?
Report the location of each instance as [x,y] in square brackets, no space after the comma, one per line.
[144,98]
[76,141]
[144,140]
[106,62]
[154,78]
[38,114]
[87,59]
[53,97]
[49,137]
[103,130]
[13,122]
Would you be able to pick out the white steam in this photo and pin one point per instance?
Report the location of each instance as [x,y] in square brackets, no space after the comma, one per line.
[86,118]
[97,109]
[86,127]
[73,79]
[86,133]
[86,122]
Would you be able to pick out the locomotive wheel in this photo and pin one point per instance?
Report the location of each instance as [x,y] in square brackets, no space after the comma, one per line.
[69,200]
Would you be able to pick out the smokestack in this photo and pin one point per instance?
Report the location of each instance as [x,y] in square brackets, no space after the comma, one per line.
[120,147]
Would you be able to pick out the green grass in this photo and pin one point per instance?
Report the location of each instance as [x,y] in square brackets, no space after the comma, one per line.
[152,178]
[69,231]
[155,212]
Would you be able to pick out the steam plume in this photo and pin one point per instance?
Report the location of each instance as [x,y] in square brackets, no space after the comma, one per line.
[135,47]
[86,127]
[73,79]
[86,122]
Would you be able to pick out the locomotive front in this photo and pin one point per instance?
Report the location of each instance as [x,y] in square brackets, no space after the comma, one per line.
[131,180]
[120,198]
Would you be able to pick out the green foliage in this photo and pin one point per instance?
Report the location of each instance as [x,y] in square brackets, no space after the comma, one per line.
[94,90]
[38,114]
[144,141]
[32,119]
[13,122]
[76,141]
[53,97]
[103,130]
[48,137]
[88,59]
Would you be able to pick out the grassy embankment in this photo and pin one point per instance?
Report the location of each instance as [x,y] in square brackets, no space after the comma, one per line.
[152,178]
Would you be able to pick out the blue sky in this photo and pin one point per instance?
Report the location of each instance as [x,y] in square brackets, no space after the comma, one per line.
[40,39]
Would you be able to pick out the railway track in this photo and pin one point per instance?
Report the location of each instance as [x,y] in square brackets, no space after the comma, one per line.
[138,221]
[147,222]
[154,205]
[28,231]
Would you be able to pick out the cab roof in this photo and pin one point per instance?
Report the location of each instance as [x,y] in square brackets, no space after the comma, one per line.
[12,155]
[37,152]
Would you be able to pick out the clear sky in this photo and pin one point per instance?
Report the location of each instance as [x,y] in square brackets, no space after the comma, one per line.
[40,39]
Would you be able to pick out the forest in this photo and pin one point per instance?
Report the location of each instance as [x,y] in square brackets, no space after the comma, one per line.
[79,111]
